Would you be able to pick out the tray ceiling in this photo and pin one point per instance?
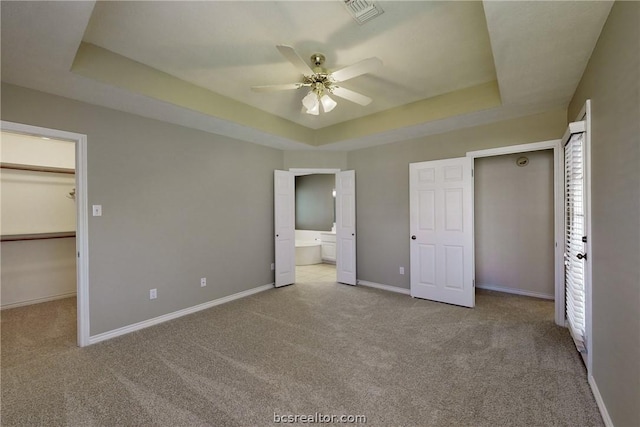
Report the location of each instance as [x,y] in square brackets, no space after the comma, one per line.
[446,64]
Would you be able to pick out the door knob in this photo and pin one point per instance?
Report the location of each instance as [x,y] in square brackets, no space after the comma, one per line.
[582,256]
[413,237]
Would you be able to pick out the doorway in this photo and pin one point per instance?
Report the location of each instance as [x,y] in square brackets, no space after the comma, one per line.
[439,203]
[60,229]
[514,223]
[522,161]
[284,225]
[315,228]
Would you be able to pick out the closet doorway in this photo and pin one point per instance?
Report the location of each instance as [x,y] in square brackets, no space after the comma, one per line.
[543,192]
[43,230]
[442,207]
[514,223]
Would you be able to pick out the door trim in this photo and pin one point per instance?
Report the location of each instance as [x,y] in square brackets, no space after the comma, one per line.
[82,217]
[303,171]
[558,192]
[585,113]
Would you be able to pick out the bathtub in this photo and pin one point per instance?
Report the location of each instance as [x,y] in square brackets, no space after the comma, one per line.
[308,252]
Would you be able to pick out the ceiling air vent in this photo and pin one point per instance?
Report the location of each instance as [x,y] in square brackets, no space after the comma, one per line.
[363,10]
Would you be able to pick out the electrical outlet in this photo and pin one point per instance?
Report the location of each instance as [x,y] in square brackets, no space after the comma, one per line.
[273,266]
[153,293]
[203,282]
[401,270]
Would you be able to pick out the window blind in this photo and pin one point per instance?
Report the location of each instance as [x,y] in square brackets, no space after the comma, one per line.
[574,249]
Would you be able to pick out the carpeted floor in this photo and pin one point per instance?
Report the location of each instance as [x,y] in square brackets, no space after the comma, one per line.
[302,349]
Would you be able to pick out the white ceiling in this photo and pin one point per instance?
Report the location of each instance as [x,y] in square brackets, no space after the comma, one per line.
[427,48]
[537,51]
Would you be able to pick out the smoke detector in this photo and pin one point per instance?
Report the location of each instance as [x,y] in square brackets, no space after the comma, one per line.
[363,10]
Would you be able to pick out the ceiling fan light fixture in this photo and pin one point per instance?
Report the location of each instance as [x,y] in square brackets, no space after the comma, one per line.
[328,104]
[315,110]
[310,100]
[321,82]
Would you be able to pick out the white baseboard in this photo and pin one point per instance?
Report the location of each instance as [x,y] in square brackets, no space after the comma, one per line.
[384,287]
[37,300]
[516,291]
[169,316]
[603,409]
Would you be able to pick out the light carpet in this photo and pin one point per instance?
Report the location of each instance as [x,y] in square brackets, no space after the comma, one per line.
[307,348]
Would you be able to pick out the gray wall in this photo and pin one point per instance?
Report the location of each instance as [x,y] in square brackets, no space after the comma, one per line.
[178,204]
[315,159]
[611,81]
[514,223]
[382,186]
[315,202]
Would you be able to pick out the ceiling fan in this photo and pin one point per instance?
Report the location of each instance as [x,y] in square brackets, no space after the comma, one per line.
[322,82]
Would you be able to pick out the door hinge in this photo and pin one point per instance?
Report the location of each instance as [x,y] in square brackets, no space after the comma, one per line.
[471,173]
[78,254]
[474,283]
[584,239]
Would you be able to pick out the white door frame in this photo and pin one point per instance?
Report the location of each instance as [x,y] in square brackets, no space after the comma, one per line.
[585,114]
[82,215]
[558,192]
[303,171]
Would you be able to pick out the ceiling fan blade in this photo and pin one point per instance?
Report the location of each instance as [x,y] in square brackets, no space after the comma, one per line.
[363,67]
[291,55]
[276,88]
[350,95]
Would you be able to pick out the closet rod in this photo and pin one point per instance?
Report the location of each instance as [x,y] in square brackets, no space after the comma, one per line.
[17,166]
[37,236]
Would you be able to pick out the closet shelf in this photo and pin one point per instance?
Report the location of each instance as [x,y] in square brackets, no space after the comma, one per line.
[37,236]
[33,168]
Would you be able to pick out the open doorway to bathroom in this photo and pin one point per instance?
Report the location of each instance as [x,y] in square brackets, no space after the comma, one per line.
[315,234]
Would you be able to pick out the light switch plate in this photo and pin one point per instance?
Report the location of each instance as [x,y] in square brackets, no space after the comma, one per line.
[97,210]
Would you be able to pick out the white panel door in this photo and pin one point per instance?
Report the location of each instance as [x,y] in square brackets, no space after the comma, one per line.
[284,217]
[441,227]
[346,227]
